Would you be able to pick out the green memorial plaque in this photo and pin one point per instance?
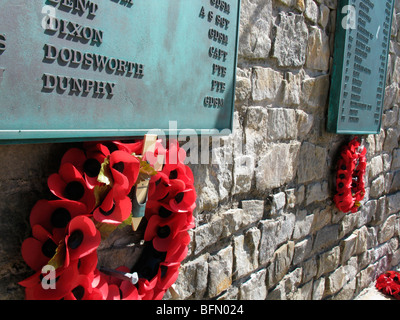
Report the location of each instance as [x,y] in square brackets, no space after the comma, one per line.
[357,91]
[88,69]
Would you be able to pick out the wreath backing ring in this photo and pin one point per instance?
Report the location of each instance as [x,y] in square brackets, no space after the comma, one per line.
[93,191]
[350,185]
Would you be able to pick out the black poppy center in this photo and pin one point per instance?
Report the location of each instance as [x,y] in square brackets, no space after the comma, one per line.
[74,191]
[341,185]
[343,167]
[164,213]
[92,167]
[342,176]
[75,239]
[120,166]
[173,174]
[78,292]
[163,232]
[109,212]
[60,218]
[179,197]
[49,248]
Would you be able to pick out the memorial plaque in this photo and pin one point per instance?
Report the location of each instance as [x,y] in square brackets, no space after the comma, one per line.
[362,42]
[90,70]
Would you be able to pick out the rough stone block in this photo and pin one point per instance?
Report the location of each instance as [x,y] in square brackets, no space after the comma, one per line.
[278,203]
[387,230]
[312,163]
[192,280]
[328,261]
[291,40]
[348,247]
[335,281]
[254,288]
[266,84]
[220,268]
[277,165]
[326,237]
[253,210]
[208,234]
[255,29]
[280,264]
[318,53]
[309,269]
[393,203]
[317,192]
[302,225]
[315,91]
[273,234]
[302,250]
[245,250]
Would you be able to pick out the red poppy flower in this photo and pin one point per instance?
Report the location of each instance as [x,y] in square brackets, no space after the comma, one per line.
[113,211]
[105,147]
[146,288]
[87,264]
[39,249]
[82,238]
[125,170]
[184,201]
[159,186]
[179,171]
[158,208]
[174,187]
[167,275]
[88,164]
[178,249]
[134,147]
[128,291]
[82,290]
[65,280]
[56,213]
[68,184]
[163,231]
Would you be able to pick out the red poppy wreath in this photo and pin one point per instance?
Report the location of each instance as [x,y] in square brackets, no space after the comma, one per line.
[389,284]
[94,193]
[350,177]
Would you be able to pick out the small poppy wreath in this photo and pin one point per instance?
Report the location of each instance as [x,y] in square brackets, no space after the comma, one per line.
[350,185]
[389,284]
[94,193]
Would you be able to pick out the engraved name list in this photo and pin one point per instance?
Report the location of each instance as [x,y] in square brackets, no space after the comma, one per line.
[73,58]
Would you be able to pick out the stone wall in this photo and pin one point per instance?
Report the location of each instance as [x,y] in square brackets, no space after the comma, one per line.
[266,226]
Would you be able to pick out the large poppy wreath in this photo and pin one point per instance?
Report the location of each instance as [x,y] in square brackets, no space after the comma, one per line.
[94,196]
[350,185]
